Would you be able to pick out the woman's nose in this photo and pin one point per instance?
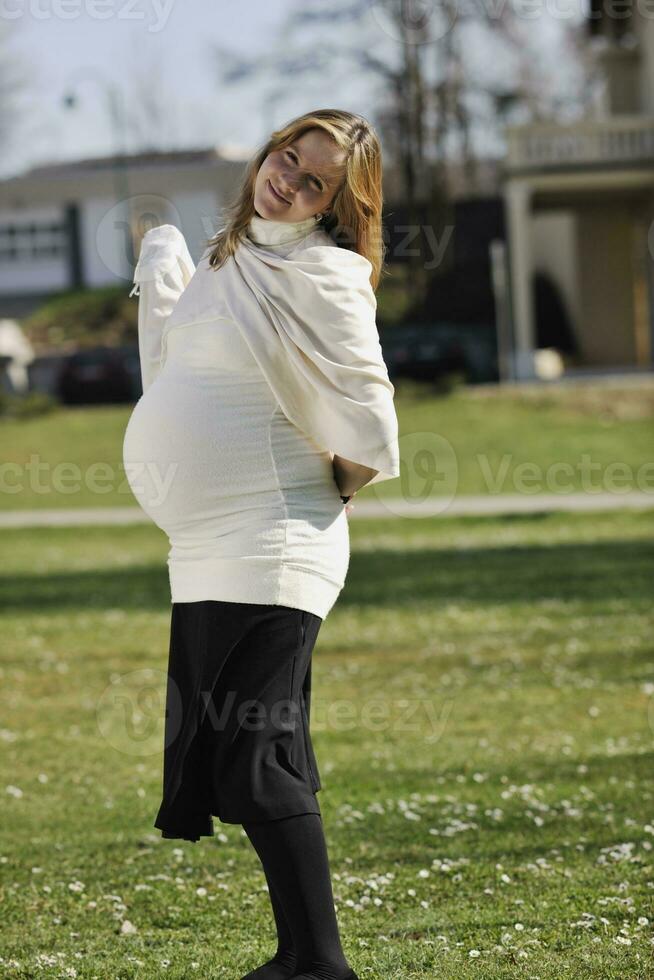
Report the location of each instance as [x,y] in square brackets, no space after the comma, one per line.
[289,180]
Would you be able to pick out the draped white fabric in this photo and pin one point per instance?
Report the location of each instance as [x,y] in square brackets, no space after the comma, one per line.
[322,358]
[163,271]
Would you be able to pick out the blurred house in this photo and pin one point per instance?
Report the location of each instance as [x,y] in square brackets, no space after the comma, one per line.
[79,224]
[579,203]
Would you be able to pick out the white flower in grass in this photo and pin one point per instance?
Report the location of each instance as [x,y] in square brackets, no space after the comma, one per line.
[423,873]
[127,928]
[201,891]
[474,953]
[643,920]
[519,926]
[76,886]
[15,791]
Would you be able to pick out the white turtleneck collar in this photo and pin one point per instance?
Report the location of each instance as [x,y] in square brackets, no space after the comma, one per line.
[267,231]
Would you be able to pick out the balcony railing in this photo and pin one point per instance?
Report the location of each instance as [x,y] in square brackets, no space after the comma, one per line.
[623,140]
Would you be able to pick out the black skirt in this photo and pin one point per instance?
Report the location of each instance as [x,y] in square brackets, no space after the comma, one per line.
[237,743]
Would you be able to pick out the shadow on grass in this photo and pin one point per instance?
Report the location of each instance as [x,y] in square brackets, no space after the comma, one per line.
[504,574]
[138,587]
[483,576]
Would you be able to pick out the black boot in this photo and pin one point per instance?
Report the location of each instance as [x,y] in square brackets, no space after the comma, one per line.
[323,976]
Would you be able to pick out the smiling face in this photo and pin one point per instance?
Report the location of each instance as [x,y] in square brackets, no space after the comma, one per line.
[301,180]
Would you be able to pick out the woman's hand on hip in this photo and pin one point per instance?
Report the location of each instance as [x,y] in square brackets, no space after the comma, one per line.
[349,476]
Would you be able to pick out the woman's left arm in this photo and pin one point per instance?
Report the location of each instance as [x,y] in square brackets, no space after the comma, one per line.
[350,476]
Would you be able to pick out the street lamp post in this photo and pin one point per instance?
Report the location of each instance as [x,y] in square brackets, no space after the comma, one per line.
[117,115]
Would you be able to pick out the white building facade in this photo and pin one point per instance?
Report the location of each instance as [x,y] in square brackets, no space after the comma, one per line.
[580,206]
[79,224]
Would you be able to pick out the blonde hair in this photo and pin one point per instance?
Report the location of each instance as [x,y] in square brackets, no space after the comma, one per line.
[355,210]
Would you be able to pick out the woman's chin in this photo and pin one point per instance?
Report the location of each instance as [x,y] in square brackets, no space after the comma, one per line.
[266,209]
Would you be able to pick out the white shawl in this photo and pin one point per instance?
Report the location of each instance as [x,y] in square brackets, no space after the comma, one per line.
[322,358]
[163,271]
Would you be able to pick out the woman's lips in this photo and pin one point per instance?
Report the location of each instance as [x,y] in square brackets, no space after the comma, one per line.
[275,194]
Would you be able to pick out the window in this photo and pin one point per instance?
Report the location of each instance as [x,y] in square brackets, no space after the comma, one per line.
[33,240]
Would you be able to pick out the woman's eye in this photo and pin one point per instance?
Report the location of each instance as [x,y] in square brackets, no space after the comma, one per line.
[315,180]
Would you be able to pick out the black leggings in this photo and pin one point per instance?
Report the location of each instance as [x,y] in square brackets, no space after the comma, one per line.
[293,853]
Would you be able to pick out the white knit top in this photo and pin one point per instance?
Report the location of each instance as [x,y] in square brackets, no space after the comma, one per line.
[247,500]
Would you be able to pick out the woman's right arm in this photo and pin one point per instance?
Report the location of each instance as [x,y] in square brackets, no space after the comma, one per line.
[163,271]
[157,300]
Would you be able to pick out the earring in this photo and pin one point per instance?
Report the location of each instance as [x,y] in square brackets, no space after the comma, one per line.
[318,216]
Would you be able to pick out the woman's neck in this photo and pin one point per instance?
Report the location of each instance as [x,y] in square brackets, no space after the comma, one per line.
[270,231]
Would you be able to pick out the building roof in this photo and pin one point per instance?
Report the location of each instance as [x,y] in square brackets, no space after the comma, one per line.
[154,171]
[133,161]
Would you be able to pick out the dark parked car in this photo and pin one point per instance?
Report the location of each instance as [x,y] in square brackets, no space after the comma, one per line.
[100,375]
[427,352]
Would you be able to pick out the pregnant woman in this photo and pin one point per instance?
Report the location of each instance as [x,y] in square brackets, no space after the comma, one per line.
[266,405]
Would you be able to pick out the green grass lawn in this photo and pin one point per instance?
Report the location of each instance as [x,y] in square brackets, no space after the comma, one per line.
[483,718]
[472,441]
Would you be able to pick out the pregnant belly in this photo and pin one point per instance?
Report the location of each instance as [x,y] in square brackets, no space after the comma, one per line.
[213,457]
[187,446]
